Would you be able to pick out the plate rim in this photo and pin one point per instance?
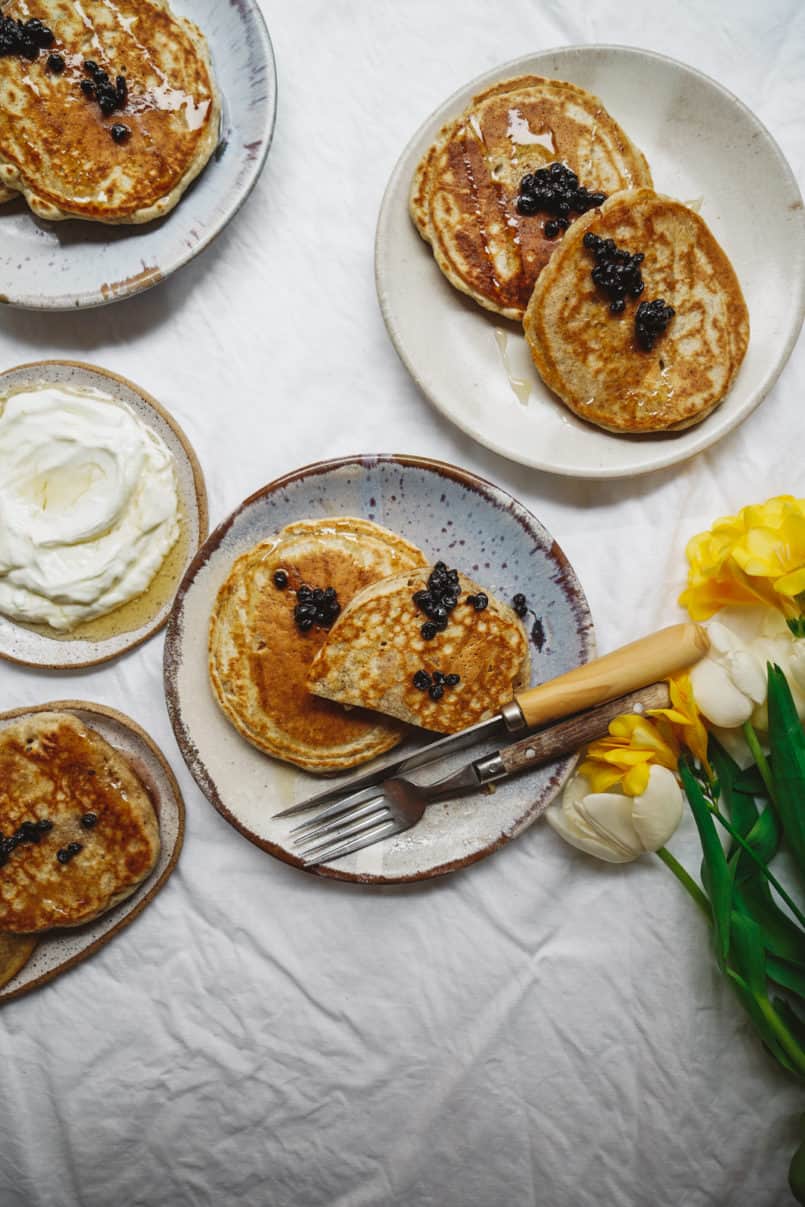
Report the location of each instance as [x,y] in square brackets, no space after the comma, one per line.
[172,657]
[383,274]
[202,504]
[95,299]
[129,723]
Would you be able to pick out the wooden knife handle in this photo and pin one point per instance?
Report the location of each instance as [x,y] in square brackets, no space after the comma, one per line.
[568,736]
[632,666]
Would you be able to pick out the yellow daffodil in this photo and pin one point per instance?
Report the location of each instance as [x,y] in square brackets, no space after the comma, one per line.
[685,718]
[635,744]
[756,556]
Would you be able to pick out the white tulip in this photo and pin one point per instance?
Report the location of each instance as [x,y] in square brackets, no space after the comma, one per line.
[730,684]
[616,827]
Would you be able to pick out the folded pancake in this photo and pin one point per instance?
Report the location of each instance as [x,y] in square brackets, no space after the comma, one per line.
[15,952]
[79,828]
[259,656]
[591,357]
[376,656]
[464,195]
[56,142]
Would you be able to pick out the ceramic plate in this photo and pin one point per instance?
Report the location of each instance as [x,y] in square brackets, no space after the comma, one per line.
[702,145]
[451,515]
[64,265]
[126,628]
[59,950]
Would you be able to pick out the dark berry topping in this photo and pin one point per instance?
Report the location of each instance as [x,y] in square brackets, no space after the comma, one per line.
[555,190]
[437,600]
[68,852]
[480,601]
[55,64]
[650,322]
[422,681]
[538,634]
[87,87]
[617,271]
[91,67]
[520,604]
[118,131]
[315,605]
[89,820]
[110,96]
[28,831]
[280,579]
[25,38]
[436,691]
[452,680]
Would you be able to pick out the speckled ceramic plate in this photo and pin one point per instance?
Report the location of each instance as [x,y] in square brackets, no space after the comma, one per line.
[451,515]
[702,145]
[57,951]
[128,626]
[65,265]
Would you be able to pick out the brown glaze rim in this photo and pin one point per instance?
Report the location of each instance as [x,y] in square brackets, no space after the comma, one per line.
[202,512]
[139,902]
[566,578]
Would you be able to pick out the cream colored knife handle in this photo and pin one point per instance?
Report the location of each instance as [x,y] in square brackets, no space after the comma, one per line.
[625,670]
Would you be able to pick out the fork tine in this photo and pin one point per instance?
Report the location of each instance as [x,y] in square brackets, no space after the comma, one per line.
[313,830]
[343,832]
[340,806]
[346,848]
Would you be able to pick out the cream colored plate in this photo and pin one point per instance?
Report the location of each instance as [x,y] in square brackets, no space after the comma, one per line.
[121,630]
[703,146]
[57,951]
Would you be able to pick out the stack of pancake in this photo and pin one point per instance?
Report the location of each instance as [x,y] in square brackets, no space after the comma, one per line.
[74,141]
[331,694]
[78,831]
[516,260]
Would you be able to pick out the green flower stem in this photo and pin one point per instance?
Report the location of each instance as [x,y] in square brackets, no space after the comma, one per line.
[685,880]
[759,757]
[772,879]
[784,1037]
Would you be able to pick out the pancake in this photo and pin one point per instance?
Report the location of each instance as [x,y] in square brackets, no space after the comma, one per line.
[259,659]
[55,769]
[591,358]
[56,146]
[463,199]
[376,647]
[15,952]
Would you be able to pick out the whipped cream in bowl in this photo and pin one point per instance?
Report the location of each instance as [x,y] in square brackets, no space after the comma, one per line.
[102,505]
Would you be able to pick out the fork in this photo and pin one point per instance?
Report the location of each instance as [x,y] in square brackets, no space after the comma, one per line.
[345,827]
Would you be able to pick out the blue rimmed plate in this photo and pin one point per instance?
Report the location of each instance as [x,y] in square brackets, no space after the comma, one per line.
[450,514]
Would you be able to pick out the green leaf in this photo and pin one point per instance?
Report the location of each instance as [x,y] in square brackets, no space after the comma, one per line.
[764,839]
[781,936]
[751,782]
[787,976]
[797,625]
[787,745]
[739,804]
[716,874]
[748,953]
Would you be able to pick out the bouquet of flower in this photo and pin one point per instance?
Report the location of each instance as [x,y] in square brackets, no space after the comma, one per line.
[732,743]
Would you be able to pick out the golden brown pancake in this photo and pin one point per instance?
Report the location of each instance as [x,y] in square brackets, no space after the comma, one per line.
[376,647]
[56,146]
[259,659]
[464,194]
[15,952]
[54,769]
[591,358]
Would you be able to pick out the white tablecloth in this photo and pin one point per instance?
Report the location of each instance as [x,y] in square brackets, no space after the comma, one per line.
[539,1028]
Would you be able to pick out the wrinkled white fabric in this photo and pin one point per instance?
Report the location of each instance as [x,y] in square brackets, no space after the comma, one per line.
[540,1028]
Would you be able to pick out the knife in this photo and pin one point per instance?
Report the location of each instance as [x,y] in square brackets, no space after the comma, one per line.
[633,666]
